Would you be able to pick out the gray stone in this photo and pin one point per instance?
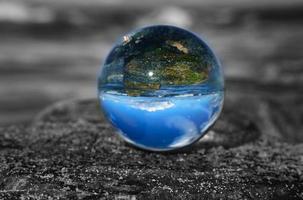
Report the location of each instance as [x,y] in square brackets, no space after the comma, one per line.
[70,151]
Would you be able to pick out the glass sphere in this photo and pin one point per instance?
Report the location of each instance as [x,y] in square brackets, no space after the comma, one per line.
[161,87]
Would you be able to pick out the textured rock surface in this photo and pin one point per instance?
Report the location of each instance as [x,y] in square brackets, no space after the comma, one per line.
[71,152]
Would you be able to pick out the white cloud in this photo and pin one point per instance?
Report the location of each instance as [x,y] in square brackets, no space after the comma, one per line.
[170,15]
[152,106]
[21,13]
[187,127]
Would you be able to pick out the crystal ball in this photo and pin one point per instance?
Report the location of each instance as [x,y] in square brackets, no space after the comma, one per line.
[161,87]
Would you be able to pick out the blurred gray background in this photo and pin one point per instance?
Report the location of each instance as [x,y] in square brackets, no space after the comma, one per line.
[52,50]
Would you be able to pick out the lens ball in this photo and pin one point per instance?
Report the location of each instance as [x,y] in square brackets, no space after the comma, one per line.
[161,87]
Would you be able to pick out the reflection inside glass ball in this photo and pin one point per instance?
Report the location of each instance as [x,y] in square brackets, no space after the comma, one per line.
[161,87]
